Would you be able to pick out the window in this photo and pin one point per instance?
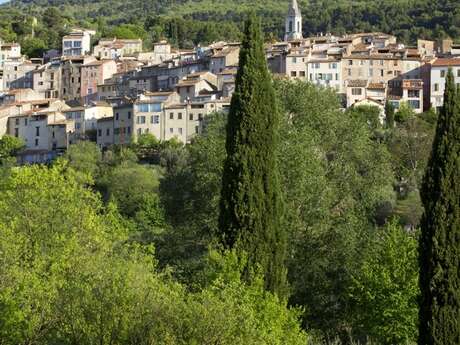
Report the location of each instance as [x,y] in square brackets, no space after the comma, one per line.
[171,116]
[395,63]
[16,121]
[179,116]
[171,130]
[458,72]
[371,72]
[25,122]
[139,131]
[356,91]
[156,119]
[117,116]
[196,129]
[107,132]
[54,135]
[349,72]
[37,131]
[78,125]
[302,73]
[140,119]
[381,62]
[129,129]
[116,131]
[143,108]
[294,60]
[311,76]
[77,44]
[293,74]
[381,72]
[436,87]
[180,131]
[336,76]
[190,117]
[350,62]
[316,65]
[371,62]
[361,62]
[155,107]
[129,115]
[443,74]
[36,142]
[414,104]
[16,132]
[200,117]
[99,132]
[413,93]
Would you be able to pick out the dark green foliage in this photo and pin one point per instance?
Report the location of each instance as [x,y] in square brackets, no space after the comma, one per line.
[186,23]
[440,239]
[251,208]
[390,114]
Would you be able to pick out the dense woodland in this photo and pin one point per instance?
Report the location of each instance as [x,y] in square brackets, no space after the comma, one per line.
[188,23]
[124,247]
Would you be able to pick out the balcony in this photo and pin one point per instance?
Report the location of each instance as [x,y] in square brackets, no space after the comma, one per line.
[412,84]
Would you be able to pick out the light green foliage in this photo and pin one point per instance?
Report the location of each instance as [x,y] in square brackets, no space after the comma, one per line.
[335,179]
[68,276]
[129,185]
[384,291]
[147,147]
[85,158]
[367,113]
[33,47]
[127,31]
[404,113]
[9,147]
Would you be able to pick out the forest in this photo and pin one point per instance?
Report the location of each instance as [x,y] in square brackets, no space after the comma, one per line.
[39,24]
[123,246]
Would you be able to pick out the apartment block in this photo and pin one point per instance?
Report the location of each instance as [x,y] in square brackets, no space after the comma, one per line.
[114,48]
[93,74]
[77,42]
[47,80]
[439,70]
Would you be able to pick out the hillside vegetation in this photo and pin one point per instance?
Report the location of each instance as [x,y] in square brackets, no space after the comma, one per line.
[187,23]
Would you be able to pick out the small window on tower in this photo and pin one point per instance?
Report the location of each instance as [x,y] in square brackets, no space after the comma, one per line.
[290,26]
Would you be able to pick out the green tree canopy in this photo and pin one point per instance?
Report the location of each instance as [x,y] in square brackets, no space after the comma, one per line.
[251,209]
[440,239]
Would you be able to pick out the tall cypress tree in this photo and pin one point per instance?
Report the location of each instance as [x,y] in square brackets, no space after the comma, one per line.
[251,208]
[440,239]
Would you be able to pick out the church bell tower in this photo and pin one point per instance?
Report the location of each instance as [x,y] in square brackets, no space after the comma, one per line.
[293,29]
